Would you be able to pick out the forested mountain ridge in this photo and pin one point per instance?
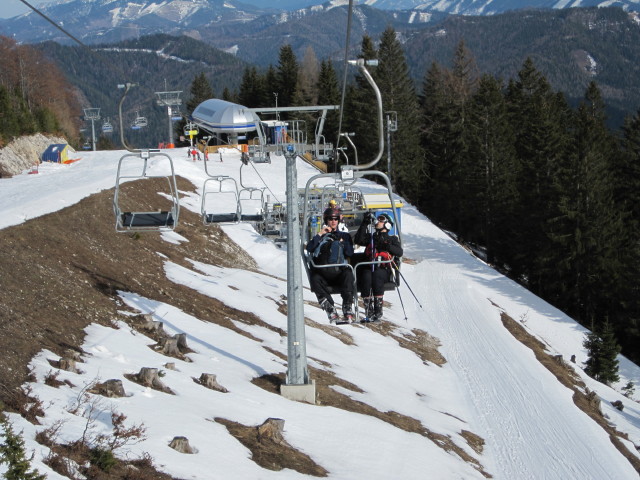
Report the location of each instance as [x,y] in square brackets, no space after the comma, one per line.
[571,47]
[155,63]
[494,7]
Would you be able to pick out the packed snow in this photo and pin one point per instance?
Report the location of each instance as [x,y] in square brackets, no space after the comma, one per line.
[491,384]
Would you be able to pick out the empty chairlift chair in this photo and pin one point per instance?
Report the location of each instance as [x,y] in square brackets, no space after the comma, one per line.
[220,202]
[145,165]
[251,202]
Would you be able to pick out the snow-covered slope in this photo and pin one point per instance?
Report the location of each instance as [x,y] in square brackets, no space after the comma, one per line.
[491,387]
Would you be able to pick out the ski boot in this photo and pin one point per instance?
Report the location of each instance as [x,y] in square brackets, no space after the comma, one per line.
[368,309]
[347,313]
[377,309]
[328,307]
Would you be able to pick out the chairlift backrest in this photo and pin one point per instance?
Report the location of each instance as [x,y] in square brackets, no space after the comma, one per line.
[145,165]
[220,205]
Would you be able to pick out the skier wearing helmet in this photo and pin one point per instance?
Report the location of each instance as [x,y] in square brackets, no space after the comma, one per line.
[322,249]
[382,247]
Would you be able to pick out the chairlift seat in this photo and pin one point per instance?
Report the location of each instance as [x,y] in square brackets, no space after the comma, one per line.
[162,219]
[220,217]
[252,218]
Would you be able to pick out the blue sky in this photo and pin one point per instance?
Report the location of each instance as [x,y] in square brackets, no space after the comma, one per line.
[11,8]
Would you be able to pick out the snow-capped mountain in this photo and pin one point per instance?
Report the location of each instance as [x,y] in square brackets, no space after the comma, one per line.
[492,7]
[112,20]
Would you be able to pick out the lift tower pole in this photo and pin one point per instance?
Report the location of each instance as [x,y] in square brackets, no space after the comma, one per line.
[297,385]
[169,99]
[92,114]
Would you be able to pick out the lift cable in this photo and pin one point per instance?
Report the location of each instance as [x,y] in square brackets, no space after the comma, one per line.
[345,71]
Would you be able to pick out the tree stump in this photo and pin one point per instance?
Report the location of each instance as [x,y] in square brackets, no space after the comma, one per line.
[271,430]
[170,365]
[152,325]
[181,340]
[593,399]
[169,346]
[149,378]
[111,388]
[209,380]
[68,365]
[181,444]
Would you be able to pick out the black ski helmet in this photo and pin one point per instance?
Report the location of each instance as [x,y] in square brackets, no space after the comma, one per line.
[332,212]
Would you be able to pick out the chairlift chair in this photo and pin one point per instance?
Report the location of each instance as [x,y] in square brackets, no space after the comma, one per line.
[213,201]
[139,122]
[356,207]
[107,127]
[251,199]
[142,163]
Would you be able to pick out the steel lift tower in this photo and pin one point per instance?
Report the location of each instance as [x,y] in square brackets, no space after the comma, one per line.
[92,114]
[169,99]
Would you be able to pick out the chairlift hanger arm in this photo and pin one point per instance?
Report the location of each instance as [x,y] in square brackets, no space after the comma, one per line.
[127,86]
[361,64]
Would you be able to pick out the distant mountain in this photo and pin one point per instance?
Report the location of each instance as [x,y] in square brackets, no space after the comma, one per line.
[570,47]
[493,7]
[154,63]
[101,21]
[253,33]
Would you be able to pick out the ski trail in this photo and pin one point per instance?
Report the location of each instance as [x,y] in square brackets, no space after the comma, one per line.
[505,388]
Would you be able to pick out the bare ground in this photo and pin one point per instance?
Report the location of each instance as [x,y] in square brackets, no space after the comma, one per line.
[62,271]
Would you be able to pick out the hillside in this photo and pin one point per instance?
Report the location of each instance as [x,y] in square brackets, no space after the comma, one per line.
[469,385]
[570,47]
[155,63]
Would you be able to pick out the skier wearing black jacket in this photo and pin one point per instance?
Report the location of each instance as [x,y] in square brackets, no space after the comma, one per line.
[379,246]
[341,277]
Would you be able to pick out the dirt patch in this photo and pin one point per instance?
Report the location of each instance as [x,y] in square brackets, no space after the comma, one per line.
[582,397]
[272,454]
[327,395]
[62,271]
[422,344]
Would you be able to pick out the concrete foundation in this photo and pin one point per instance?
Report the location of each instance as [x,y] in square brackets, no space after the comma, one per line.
[300,393]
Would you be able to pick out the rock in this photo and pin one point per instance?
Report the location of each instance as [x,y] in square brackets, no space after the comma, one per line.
[209,380]
[618,404]
[181,444]
[24,152]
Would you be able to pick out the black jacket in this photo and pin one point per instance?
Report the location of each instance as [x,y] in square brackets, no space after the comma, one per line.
[382,241]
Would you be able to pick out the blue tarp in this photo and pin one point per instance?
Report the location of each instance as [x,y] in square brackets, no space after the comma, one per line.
[56,152]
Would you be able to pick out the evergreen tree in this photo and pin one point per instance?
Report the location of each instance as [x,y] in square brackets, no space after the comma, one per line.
[287,76]
[251,93]
[399,96]
[329,94]
[200,91]
[445,104]
[541,120]
[602,352]
[12,453]
[491,188]
[588,233]
[271,87]
[229,96]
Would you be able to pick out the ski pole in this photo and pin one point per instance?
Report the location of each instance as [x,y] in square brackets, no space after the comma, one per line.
[402,304]
[407,284]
